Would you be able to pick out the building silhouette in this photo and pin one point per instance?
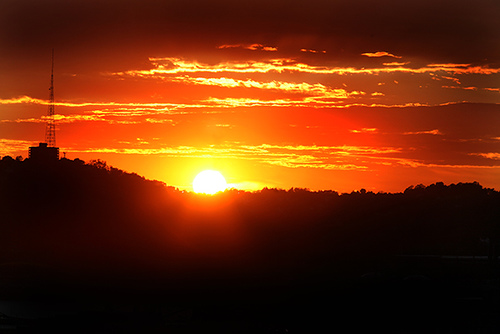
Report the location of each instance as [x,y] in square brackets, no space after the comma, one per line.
[43,153]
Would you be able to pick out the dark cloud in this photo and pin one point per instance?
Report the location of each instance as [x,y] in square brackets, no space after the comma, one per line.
[444,31]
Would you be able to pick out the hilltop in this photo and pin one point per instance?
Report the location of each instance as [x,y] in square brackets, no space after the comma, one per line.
[87,229]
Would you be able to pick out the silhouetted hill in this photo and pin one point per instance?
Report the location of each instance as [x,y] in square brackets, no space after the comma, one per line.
[90,230]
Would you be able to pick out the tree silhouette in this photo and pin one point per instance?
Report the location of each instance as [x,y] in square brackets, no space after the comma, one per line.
[95,222]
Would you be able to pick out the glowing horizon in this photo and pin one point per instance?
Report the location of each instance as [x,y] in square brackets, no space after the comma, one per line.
[287,102]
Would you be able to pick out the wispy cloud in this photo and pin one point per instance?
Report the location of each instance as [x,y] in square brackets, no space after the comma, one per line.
[172,65]
[495,90]
[365,130]
[458,87]
[22,99]
[319,90]
[290,156]
[313,102]
[128,105]
[379,54]
[343,157]
[311,84]
[491,155]
[12,146]
[312,51]
[395,63]
[426,132]
[59,119]
[456,80]
[253,47]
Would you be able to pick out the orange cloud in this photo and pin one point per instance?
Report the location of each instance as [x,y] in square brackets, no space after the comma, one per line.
[379,54]
[290,156]
[316,89]
[12,146]
[456,80]
[451,65]
[22,99]
[365,130]
[171,65]
[252,47]
[492,155]
[229,46]
[456,87]
[396,64]
[429,132]
[312,51]
[59,119]
[27,100]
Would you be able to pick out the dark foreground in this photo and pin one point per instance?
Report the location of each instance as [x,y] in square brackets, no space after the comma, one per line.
[411,295]
[87,248]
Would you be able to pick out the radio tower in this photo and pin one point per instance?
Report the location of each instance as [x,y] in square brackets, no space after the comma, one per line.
[47,152]
[50,130]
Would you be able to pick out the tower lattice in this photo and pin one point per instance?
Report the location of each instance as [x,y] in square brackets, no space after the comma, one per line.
[50,130]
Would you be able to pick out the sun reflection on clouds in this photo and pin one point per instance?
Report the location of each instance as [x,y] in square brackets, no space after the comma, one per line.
[379,54]
[13,146]
[316,97]
[318,83]
[173,65]
[253,47]
[290,156]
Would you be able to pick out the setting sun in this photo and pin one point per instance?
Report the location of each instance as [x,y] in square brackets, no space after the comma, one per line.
[209,182]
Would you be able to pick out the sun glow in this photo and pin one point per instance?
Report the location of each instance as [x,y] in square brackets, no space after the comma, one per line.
[209,182]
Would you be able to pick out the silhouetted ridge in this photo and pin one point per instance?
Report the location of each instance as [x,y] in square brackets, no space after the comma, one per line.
[89,224]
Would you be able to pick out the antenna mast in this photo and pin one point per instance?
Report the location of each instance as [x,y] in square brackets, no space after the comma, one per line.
[50,130]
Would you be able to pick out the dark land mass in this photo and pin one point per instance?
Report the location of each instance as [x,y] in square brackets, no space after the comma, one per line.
[88,248]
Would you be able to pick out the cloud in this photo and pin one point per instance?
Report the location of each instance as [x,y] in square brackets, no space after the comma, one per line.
[428,132]
[58,118]
[160,121]
[343,157]
[456,80]
[14,146]
[395,64]
[121,115]
[229,46]
[379,54]
[173,65]
[318,90]
[248,102]
[463,88]
[495,90]
[312,51]
[30,100]
[252,47]
[290,156]
[201,25]
[491,155]
[365,130]
[22,99]
[300,77]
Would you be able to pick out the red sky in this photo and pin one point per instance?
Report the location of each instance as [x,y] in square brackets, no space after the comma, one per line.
[335,95]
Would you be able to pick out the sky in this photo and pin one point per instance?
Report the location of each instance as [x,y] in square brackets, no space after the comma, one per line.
[324,95]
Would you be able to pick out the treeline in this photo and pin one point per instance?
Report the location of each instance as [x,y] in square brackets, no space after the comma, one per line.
[92,222]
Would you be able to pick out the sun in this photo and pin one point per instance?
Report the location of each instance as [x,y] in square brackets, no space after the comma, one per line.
[209,182]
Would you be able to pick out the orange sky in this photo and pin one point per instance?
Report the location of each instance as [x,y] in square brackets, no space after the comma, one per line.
[317,94]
